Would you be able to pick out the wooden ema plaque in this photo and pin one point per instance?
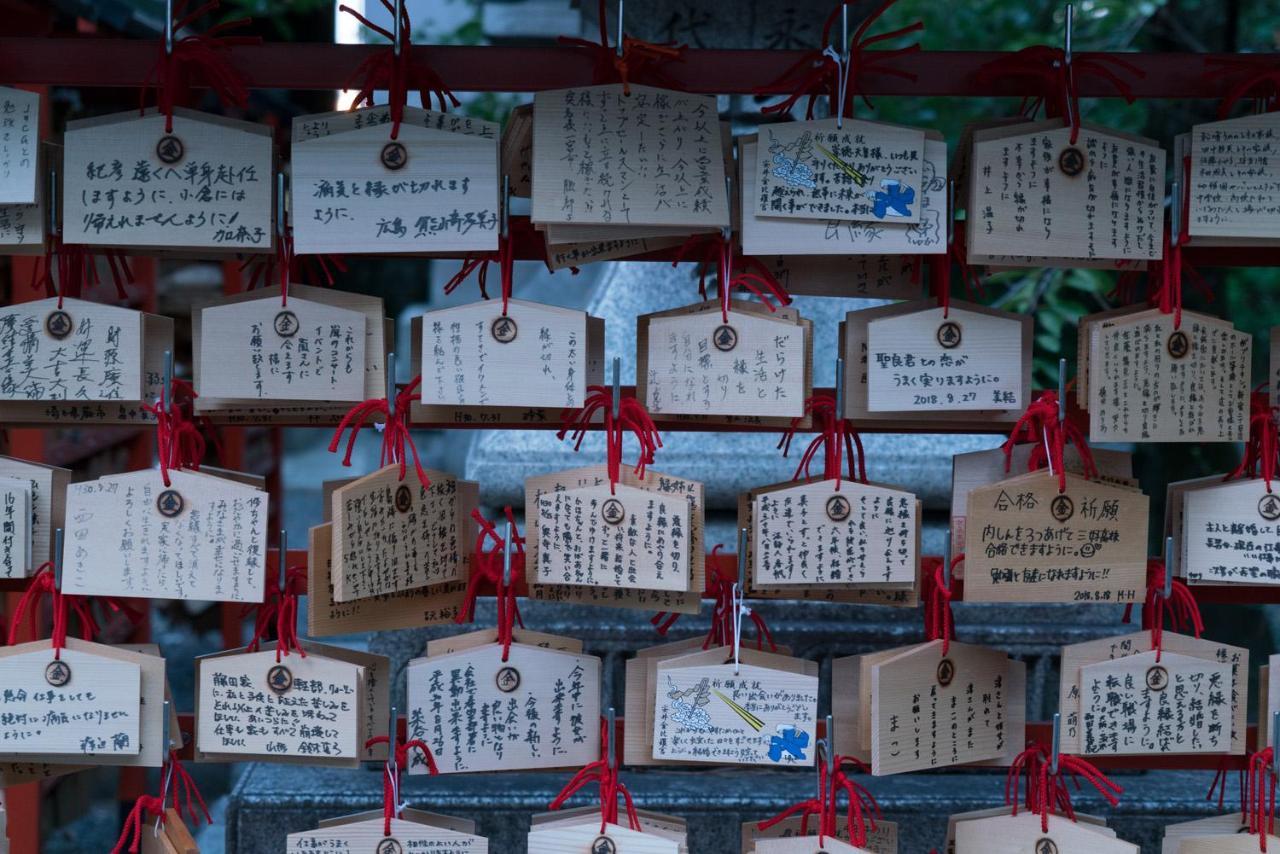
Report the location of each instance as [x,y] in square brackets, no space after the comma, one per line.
[652,824]
[207,186]
[1233,178]
[19,147]
[130,535]
[1223,843]
[303,709]
[767,234]
[1230,533]
[761,712]
[1022,834]
[46,493]
[538,709]
[1027,542]
[433,189]
[1215,825]
[588,839]
[691,362]
[376,335]
[881,839]
[368,835]
[671,155]
[1076,658]
[262,350]
[534,355]
[391,535]
[807,845]
[686,601]
[1033,193]
[1149,382]
[817,534]
[173,838]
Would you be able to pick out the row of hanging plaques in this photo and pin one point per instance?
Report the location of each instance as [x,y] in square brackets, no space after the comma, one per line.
[824,187]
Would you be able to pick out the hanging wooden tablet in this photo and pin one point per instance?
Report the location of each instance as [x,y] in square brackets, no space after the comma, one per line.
[1077,657]
[864,171]
[1150,382]
[268,350]
[807,845]
[199,538]
[708,710]
[1032,192]
[391,534]
[1273,366]
[482,637]
[560,256]
[1231,533]
[1223,843]
[1027,542]
[920,700]
[435,819]
[78,706]
[768,233]
[405,609]
[1098,823]
[47,486]
[19,146]
[984,468]
[517,150]
[307,709]
[588,838]
[434,188]
[692,361]
[854,347]
[1214,825]
[377,331]
[376,685]
[1232,189]
[870,276]
[538,709]
[16,549]
[368,835]
[667,487]
[1141,705]
[638,698]
[818,533]
[519,354]
[1022,833]
[666,143]
[23,225]
[207,185]
[668,827]
[881,839]
[173,838]
[928,358]
[624,537]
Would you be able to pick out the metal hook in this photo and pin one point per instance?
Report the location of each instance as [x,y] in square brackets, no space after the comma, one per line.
[166,390]
[396,36]
[57,559]
[742,560]
[168,27]
[280,205]
[1275,754]
[506,557]
[1066,45]
[1175,211]
[393,771]
[53,201]
[611,740]
[166,741]
[1169,565]
[1062,390]
[391,385]
[283,563]
[831,747]
[617,387]
[506,205]
[726,233]
[618,46]
[1057,741]
[951,213]
[839,389]
[946,561]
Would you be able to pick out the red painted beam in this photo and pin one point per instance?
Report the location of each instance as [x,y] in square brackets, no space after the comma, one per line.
[113,62]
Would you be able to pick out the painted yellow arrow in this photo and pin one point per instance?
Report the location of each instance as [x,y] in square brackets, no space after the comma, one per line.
[858,178]
[752,721]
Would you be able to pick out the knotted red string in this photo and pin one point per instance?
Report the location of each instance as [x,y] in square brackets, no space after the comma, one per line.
[390,783]
[723,617]
[179,442]
[1180,609]
[504,258]
[606,775]
[632,416]
[396,435]
[862,811]
[205,56]
[287,614]
[1040,426]
[638,60]
[184,791]
[938,621]
[752,275]
[42,583]
[287,266]
[835,437]
[817,73]
[1261,809]
[1060,94]
[1219,787]
[69,269]
[940,273]
[131,835]
[1261,84]
[1046,790]
[397,74]
[488,568]
[1260,452]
